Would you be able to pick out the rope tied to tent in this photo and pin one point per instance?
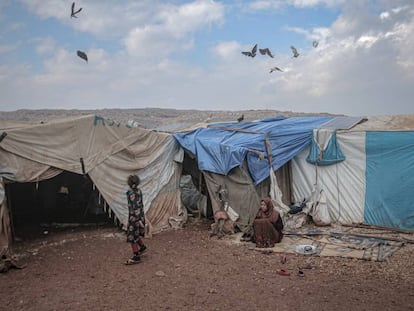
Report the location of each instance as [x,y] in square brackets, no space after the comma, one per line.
[259,153]
[226,128]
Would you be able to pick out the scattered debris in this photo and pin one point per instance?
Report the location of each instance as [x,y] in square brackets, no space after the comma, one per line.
[282,272]
[160,273]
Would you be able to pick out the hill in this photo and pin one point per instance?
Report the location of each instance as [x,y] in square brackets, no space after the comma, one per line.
[151,118]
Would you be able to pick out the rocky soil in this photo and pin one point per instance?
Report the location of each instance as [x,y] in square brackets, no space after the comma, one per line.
[186,269]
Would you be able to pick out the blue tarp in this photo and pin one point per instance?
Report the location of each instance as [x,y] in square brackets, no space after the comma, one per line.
[218,150]
[389,195]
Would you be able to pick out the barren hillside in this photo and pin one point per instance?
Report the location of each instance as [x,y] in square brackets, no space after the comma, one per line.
[153,118]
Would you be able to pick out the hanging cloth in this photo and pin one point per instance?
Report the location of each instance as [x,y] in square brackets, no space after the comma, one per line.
[324,149]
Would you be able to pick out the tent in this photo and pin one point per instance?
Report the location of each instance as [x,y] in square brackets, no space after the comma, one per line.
[243,156]
[367,171]
[364,168]
[103,149]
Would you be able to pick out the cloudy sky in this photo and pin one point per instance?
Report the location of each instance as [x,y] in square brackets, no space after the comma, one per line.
[187,55]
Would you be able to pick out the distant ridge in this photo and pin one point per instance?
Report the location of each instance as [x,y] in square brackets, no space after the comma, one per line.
[151,118]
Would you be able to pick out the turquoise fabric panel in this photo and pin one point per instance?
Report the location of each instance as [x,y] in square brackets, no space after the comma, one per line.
[331,155]
[389,196]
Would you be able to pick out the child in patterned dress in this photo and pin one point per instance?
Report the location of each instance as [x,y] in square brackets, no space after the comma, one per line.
[136,219]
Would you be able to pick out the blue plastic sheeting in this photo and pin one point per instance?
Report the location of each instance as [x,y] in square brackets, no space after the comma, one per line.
[342,123]
[389,196]
[219,150]
[331,155]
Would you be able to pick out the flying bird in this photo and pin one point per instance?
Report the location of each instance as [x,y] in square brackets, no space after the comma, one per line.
[266,51]
[82,55]
[241,118]
[274,69]
[73,13]
[294,51]
[252,53]
[315,44]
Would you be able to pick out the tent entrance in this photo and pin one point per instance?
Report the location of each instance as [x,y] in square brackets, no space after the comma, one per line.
[194,193]
[64,200]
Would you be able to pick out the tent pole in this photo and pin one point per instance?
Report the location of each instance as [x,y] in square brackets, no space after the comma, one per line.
[269,151]
[199,190]
[9,207]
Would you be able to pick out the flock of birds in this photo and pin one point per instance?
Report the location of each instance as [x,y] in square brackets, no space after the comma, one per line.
[252,53]
[73,14]
[266,51]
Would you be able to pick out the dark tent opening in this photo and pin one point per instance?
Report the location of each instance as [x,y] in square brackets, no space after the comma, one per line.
[198,202]
[66,200]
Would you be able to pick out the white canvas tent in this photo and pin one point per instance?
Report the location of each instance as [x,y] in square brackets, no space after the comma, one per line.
[374,183]
[106,150]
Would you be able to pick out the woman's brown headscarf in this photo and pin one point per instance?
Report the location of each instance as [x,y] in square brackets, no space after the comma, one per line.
[271,213]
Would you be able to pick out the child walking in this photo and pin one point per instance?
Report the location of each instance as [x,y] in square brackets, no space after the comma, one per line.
[136,219]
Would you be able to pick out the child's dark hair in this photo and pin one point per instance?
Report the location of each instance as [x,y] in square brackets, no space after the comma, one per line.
[133,181]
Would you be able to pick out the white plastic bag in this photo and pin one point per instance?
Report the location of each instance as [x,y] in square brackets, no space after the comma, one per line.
[319,211]
[231,212]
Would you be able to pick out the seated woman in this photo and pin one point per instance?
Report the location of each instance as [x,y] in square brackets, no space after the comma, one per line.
[268,225]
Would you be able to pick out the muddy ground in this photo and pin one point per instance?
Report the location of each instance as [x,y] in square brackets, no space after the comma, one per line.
[186,269]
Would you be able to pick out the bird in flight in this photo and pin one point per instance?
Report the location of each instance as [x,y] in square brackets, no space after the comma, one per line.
[73,13]
[294,51]
[274,69]
[82,55]
[266,51]
[252,53]
[315,44]
[241,118]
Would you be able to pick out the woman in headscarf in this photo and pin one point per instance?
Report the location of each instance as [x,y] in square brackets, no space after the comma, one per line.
[268,225]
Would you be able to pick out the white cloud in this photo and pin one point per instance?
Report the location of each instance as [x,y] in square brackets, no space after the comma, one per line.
[384,15]
[107,18]
[404,42]
[227,50]
[173,28]
[48,8]
[265,5]
[311,3]
[260,5]
[367,40]
[191,17]
[317,33]
[363,65]
[102,18]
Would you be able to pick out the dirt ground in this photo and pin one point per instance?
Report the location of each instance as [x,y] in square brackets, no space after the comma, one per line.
[186,269]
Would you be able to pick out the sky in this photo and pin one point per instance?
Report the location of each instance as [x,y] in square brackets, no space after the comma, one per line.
[187,55]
